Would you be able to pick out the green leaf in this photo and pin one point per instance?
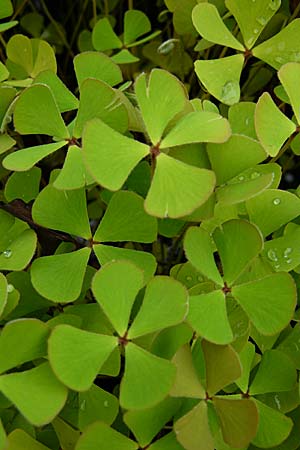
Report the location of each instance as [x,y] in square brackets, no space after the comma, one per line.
[23,185]
[222,366]
[143,260]
[25,159]
[28,338]
[65,100]
[193,430]
[165,304]
[272,208]
[96,404]
[99,435]
[160,98]
[269,302]
[282,48]
[187,383]
[20,251]
[241,118]
[19,50]
[124,57]
[96,65]
[3,295]
[289,76]
[166,343]
[238,243]
[177,189]
[283,253]
[257,17]
[62,210]
[239,420]
[290,345]
[6,143]
[109,156]
[125,220]
[141,365]
[104,37]
[67,270]
[136,23]
[7,95]
[99,100]
[66,435]
[117,304]
[6,9]
[266,114]
[273,427]
[19,440]
[246,357]
[168,442]
[221,77]
[199,251]
[227,159]
[243,187]
[36,112]
[146,424]
[284,375]
[210,26]
[36,393]
[7,25]
[73,175]
[208,317]
[76,356]
[198,126]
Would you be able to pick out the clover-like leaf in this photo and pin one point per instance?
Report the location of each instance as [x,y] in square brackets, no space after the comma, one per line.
[273,427]
[145,261]
[210,26]
[59,277]
[257,17]
[228,160]
[126,220]
[36,112]
[239,420]
[96,65]
[65,100]
[19,51]
[37,393]
[73,174]
[221,77]
[145,424]
[136,23]
[289,75]
[141,365]
[76,356]
[160,98]
[99,435]
[6,9]
[282,48]
[222,366]
[205,312]
[99,100]
[246,357]
[23,185]
[198,126]
[193,430]
[19,251]
[269,302]
[6,143]
[62,210]
[28,338]
[104,37]
[283,372]
[266,114]
[25,159]
[117,304]
[198,248]
[283,253]
[110,156]
[187,383]
[165,304]
[177,188]
[272,208]
[18,439]
[238,243]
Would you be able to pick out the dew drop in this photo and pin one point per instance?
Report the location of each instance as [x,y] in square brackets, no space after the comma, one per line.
[276,201]
[272,255]
[261,20]
[254,175]
[166,47]
[273,5]
[277,266]
[188,278]
[247,121]
[288,261]
[241,178]
[7,253]
[287,252]
[106,404]
[82,405]
[199,278]
[10,288]
[230,92]
[250,41]
[277,401]
[279,59]
[256,30]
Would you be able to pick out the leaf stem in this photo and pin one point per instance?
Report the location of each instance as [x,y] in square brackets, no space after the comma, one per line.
[285,147]
[130,4]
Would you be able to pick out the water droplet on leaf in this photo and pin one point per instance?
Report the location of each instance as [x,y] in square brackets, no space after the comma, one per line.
[82,405]
[106,404]
[261,20]
[272,255]
[230,92]
[288,261]
[10,288]
[7,253]
[241,178]
[166,47]
[287,252]
[188,278]
[256,30]
[276,201]
[254,175]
